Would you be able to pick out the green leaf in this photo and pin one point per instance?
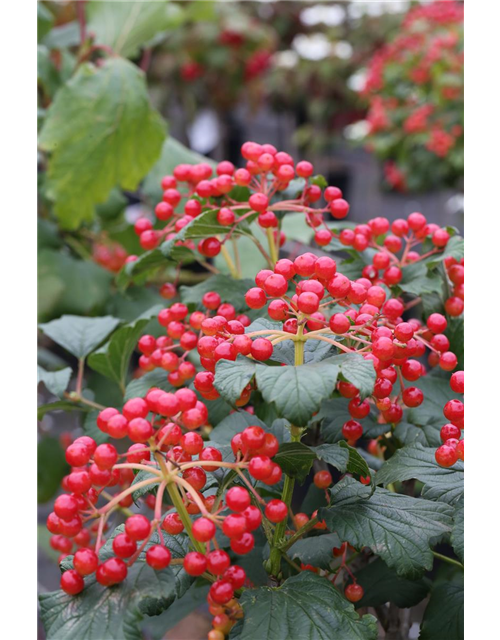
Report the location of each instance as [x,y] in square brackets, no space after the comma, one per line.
[139,387]
[55,381]
[444,615]
[398,528]
[78,335]
[295,459]
[316,550]
[314,351]
[334,413]
[101,132]
[229,289]
[60,405]
[297,391]
[127,26]
[193,599]
[206,225]
[231,377]
[172,154]
[457,534]
[148,263]
[305,606]
[57,294]
[382,585]
[454,249]
[51,467]
[112,359]
[455,334]
[418,280]
[427,434]
[116,613]
[343,457]
[356,370]
[45,20]
[419,463]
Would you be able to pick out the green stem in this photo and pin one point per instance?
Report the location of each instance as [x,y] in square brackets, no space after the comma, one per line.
[274,564]
[229,261]
[183,515]
[448,560]
[272,245]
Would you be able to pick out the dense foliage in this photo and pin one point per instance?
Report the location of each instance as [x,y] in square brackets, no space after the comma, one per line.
[250,389]
[275,427]
[415,87]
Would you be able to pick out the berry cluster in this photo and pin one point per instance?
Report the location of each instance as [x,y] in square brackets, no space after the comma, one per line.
[415,91]
[177,460]
[452,448]
[110,255]
[317,302]
[183,330]
[266,173]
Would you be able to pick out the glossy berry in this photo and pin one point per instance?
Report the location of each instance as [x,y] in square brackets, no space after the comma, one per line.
[323,479]
[203,529]
[124,546]
[221,591]
[354,592]
[172,524]
[352,430]
[244,544]
[218,562]
[446,456]
[195,563]
[237,499]
[158,557]
[72,582]
[276,510]
[85,561]
[137,527]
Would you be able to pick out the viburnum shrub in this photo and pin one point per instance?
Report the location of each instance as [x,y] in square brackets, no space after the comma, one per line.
[343,372]
[415,89]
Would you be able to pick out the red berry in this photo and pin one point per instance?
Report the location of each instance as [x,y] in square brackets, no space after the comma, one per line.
[124,546]
[172,524]
[260,467]
[276,510]
[158,557]
[323,479]
[234,525]
[354,592]
[244,544]
[105,456]
[77,454]
[203,529]
[195,563]
[253,517]
[352,430]
[111,572]
[446,456]
[255,298]
[236,576]
[261,349]
[71,582]
[137,527]
[65,507]
[218,562]
[237,499]
[457,382]
[450,431]
[85,561]
[221,591]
